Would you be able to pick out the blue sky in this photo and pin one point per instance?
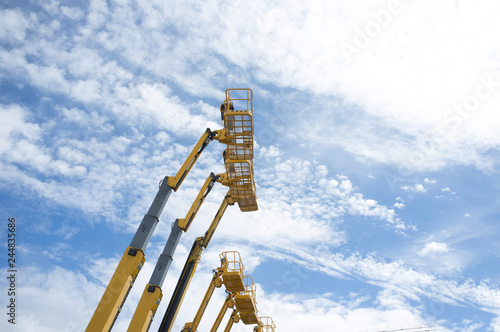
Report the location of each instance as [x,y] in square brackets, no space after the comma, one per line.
[376,155]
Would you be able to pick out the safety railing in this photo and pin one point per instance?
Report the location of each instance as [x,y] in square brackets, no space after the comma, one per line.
[237,119]
[231,262]
[246,303]
[266,324]
[232,271]
[250,289]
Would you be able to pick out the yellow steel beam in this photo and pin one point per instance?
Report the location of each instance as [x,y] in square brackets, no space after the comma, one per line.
[146,309]
[207,187]
[235,318]
[175,181]
[117,291]
[228,303]
[215,283]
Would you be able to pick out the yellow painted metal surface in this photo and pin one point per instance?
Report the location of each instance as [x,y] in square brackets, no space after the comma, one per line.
[186,222]
[235,318]
[246,302]
[117,290]
[239,177]
[175,181]
[146,309]
[249,317]
[228,303]
[265,324]
[232,271]
[233,282]
[237,134]
[215,283]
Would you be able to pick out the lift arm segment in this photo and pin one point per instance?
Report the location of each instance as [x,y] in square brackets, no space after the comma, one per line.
[215,283]
[152,294]
[175,181]
[228,303]
[133,259]
[235,318]
[131,263]
[190,268]
[207,187]
[238,135]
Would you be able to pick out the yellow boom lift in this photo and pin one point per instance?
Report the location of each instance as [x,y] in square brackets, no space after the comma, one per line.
[152,294]
[238,135]
[241,297]
[190,267]
[240,289]
[243,304]
[238,156]
[265,324]
[133,259]
[229,274]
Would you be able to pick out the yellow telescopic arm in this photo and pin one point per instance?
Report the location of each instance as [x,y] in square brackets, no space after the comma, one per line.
[117,290]
[228,303]
[175,181]
[152,294]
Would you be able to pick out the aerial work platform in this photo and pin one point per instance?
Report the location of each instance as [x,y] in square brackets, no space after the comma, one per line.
[237,119]
[237,133]
[246,302]
[232,271]
[265,324]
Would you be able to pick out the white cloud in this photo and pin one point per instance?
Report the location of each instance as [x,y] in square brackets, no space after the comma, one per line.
[269,152]
[448,190]
[73,13]
[399,205]
[415,110]
[53,301]
[495,324]
[391,54]
[74,297]
[293,313]
[432,248]
[123,68]
[13,25]
[16,125]
[417,188]
[406,280]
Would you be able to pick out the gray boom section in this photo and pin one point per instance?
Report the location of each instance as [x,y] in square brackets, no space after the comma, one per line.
[163,264]
[151,219]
